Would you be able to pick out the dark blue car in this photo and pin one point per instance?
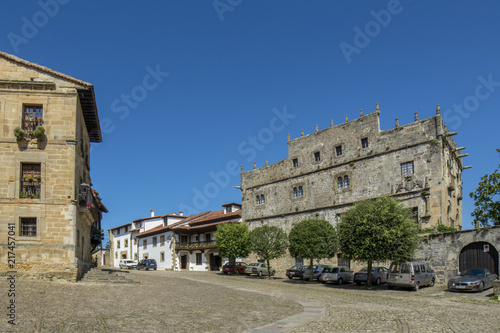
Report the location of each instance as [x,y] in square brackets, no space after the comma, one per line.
[147,264]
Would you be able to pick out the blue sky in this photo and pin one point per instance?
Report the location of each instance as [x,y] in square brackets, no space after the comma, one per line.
[182,87]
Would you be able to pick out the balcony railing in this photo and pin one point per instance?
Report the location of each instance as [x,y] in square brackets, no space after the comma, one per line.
[194,245]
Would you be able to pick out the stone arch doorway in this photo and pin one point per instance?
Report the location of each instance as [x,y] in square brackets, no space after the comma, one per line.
[480,255]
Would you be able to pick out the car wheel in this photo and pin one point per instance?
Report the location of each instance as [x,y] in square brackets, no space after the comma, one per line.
[273,272]
[225,273]
[481,287]
[339,282]
[358,283]
[432,283]
[290,277]
[306,279]
[236,272]
[260,273]
[377,283]
[415,288]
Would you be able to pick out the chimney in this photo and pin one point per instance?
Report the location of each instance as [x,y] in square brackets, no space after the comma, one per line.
[152,212]
[181,213]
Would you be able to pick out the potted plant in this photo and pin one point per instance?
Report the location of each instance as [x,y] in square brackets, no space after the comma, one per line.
[19,133]
[39,178]
[39,132]
[22,195]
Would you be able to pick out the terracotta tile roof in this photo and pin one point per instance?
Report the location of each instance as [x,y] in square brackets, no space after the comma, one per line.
[162,228]
[232,203]
[124,225]
[217,216]
[159,217]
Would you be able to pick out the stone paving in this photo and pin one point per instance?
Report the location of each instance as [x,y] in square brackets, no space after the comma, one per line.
[211,302]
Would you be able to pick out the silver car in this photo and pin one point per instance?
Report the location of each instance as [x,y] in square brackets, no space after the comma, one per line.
[127,263]
[336,275]
[410,274]
[379,275]
[317,270]
[476,279]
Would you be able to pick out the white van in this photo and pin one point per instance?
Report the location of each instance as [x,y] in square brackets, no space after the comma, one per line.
[410,274]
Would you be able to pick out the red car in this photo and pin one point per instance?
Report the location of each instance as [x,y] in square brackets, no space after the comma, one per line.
[228,268]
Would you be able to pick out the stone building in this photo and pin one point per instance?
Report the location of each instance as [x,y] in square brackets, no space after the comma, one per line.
[49,120]
[327,171]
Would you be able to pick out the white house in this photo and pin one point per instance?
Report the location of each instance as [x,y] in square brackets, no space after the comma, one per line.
[187,244]
[123,239]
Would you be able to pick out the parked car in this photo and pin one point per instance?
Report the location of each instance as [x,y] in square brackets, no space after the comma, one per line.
[259,269]
[295,271]
[127,263]
[317,270]
[336,275]
[379,275]
[229,268]
[147,264]
[476,279]
[410,274]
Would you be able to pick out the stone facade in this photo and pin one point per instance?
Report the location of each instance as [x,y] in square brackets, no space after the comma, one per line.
[327,171]
[54,219]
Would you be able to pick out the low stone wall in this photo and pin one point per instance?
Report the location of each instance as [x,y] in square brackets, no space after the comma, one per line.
[442,250]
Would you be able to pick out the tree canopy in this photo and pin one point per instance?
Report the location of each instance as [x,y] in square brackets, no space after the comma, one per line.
[377,230]
[487,196]
[268,242]
[313,239]
[232,240]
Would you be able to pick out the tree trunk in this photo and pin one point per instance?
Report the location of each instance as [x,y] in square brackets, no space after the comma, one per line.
[369,274]
[311,268]
[268,269]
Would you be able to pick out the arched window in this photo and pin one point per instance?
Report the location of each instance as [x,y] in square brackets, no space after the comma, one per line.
[295,192]
[258,200]
[301,191]
[346,181]
[262,199]
[340,183]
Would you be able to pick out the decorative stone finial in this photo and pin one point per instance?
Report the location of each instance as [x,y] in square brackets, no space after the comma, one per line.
[438,109]
[288,137]
[316,128]
[397,122]
[377,109]
[361,112]
[416,116]
[255,165]
[331,122]
[241,168]
[266,161]
[346,118]
[301,132]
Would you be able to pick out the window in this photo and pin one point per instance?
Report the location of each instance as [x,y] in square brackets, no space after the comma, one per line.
[162,240]
[126,243]
[317,156]
[346,181]
[338,150]
[31,180]
[198,259]
[295,162]
[407,168]
[261,199]
[340,183]
[162,256]
[208,237]
[116,255]
[155,240]
[298,192]
[364,143]
[32,118]
[117,244]
[145,244]
[28,226]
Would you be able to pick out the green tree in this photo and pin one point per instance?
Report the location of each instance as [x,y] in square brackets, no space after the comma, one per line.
[268,242]
[486,198]
[377,230]
[231,240]
[313,239]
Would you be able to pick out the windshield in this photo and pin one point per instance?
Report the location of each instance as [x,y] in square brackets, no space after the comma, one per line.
[363,270]
[314,267]
[254,264]
[474,272]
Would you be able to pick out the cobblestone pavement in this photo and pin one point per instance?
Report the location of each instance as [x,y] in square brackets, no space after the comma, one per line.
[201,302]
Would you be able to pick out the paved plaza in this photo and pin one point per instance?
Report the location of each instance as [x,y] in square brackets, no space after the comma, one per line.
[211,302]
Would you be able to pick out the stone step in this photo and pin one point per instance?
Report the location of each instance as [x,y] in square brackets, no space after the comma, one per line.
[103,275]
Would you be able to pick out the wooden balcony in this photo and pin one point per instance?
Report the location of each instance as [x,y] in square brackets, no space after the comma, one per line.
[195,245]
